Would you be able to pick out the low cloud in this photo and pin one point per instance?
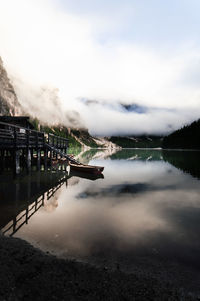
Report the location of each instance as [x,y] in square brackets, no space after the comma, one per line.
[55,61]
[108,119]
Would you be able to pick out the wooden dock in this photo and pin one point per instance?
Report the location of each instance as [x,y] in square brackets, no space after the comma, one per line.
[23,145]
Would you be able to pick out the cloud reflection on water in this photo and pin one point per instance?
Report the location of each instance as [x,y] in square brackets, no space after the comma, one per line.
[138,205]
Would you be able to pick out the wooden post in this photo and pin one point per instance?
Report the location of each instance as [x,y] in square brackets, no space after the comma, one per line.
[17,196]
[15,138]
[28,195]
[38,158]
[66,145]
[28,151]
[36,203]
[16,155]
[14,223]
[43,136]
[56,145]
[43,198]
[23,158]
[51,153]
[26,216]
[36,136]
[3,161]
[45,158]
[28,159]
[38,152]
[17,161]
[29,189]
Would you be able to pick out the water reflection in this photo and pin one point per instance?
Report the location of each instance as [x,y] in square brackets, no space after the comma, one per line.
[143,209]
[21,198]
[187,161]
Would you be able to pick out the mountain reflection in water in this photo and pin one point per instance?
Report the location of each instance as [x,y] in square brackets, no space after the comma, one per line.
[144,207]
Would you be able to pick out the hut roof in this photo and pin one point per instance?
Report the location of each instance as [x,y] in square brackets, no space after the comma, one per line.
[18,120]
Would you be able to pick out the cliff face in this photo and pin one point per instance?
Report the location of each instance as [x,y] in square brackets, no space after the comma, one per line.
[9,104]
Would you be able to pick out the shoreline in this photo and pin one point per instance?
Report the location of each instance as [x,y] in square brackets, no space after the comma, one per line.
[27,273]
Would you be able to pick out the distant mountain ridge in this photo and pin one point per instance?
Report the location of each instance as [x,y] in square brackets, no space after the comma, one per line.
[142,141]
[187,137]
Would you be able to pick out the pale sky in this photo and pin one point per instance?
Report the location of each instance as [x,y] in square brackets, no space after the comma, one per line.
[144,21]
[85,59]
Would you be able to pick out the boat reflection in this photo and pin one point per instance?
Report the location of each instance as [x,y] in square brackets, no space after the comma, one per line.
[85,175]
[28,194]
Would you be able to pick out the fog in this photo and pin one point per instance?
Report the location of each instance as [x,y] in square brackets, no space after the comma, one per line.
[55,61]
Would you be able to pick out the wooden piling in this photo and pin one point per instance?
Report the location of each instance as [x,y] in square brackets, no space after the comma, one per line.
[17,162]
[45,158]
[28,159]
[38,159]
[51,157]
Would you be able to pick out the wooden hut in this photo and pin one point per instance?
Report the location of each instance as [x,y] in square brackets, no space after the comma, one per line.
[22,121]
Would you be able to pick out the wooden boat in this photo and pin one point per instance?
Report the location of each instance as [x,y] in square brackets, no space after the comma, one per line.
[86,168]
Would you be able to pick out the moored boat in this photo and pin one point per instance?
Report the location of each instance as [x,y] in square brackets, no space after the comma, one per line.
[86,168]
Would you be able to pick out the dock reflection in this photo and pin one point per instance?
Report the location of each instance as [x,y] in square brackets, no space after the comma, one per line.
[22,197]
[25,197]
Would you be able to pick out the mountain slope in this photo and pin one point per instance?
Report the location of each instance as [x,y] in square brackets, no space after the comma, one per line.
[187,137]
[9,104]
[137,142]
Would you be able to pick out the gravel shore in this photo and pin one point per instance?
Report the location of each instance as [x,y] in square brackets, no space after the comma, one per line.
[29,274]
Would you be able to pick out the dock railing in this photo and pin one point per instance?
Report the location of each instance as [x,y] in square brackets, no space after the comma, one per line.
[23,142]
[13,136]
[57,141]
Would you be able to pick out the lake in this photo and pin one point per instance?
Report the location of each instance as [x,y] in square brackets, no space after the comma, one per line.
[144,211]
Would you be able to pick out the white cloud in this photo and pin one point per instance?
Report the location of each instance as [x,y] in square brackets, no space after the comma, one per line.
[43,46]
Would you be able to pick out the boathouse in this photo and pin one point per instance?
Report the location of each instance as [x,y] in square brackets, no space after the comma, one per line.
[21,143]
[22,121]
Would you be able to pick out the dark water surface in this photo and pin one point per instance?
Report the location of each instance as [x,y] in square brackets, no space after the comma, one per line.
[146,208]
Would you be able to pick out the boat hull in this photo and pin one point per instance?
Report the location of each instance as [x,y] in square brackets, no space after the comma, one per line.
[86,168]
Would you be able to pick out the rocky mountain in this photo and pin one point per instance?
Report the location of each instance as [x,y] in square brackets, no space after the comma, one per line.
[187,137]
[85,139]
[9,104]
[78,138]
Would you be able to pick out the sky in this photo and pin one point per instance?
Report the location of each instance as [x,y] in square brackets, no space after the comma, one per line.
[92,63]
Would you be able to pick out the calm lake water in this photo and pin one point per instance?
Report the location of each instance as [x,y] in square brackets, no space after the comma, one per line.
[147,207]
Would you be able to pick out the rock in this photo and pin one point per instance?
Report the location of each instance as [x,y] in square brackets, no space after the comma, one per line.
[9,104]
